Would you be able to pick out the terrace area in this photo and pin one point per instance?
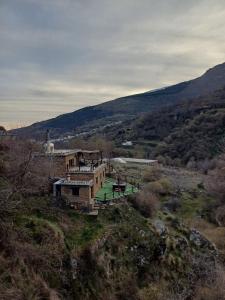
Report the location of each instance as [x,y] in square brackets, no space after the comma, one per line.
[106,194]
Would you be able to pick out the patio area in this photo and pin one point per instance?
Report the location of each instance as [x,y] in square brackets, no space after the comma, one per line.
[106,192]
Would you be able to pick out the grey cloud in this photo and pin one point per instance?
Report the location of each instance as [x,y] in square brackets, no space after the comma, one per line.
[86,52]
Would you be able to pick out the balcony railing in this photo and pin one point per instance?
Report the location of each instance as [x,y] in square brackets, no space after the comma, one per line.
[81,169]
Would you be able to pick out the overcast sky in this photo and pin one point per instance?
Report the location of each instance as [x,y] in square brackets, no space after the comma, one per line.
[57,56]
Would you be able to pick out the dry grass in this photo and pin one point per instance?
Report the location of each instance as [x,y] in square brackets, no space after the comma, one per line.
[212,232]
[215,290]
[160,187]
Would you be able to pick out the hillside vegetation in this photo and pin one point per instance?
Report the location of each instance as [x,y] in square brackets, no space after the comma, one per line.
[47,253]
[191,131]
[140,248]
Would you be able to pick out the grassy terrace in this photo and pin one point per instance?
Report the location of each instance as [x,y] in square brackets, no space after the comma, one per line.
[106,193]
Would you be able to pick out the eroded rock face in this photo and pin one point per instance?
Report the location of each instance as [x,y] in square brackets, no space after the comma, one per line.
[200,241]
[159,226]
[182,243]
[74,267]
[196,238]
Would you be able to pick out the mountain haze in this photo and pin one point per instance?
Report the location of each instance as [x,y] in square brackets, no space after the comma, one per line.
[130,106]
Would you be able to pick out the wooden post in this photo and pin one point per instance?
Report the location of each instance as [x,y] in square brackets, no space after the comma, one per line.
[101,156]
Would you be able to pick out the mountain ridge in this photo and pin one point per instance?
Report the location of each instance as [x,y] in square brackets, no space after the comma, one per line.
[127,107]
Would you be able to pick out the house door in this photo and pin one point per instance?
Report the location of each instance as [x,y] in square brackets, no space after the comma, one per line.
[58,190]
[92,192]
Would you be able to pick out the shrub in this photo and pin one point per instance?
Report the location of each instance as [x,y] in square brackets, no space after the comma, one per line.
[146,203]
[173,204]
[152,174]
[155,187]
[160,187]
[167,186]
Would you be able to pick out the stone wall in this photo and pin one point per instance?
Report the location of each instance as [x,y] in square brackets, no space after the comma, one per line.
[83,200]
[98,177]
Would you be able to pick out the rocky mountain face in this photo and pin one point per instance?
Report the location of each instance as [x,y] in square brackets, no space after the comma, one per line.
[131,106]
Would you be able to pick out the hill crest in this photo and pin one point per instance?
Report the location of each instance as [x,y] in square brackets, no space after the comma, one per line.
[124,108]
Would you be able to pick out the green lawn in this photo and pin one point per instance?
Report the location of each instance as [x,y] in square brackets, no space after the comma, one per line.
[106,193]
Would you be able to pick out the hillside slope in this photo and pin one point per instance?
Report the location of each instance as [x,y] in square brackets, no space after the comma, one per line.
[191,130]
[43,257]
[130,106]
[138,248]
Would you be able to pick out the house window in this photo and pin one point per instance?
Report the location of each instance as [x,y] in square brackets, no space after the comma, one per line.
[96,180]
[71,162]
[75,191]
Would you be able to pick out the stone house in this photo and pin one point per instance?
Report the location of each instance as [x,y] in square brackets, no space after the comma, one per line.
[79,176]
[78,193]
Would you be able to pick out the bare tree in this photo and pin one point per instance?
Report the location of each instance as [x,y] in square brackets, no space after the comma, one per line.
[20,175]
